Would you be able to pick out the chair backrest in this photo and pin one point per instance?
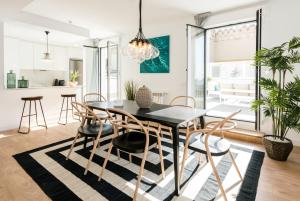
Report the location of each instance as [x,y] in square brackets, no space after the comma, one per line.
[93,97]
[212,130]
[134,124]
[229,117]
[185,101]
[85,112]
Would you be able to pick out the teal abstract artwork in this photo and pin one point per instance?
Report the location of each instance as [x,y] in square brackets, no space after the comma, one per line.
[160,64]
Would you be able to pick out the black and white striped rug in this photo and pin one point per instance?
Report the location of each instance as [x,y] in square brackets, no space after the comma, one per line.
[64,180]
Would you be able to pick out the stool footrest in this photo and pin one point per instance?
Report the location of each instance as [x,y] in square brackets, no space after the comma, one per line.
[29,115]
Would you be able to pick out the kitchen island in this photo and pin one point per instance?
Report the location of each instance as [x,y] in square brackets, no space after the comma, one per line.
[11,104]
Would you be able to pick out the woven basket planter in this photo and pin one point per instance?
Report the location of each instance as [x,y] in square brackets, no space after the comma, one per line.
[277,150]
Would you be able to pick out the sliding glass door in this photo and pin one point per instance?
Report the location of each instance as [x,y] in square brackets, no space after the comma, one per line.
[196,75]
[221,72]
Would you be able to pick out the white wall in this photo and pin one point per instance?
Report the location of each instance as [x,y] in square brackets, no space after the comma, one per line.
[280,24]
[174,83]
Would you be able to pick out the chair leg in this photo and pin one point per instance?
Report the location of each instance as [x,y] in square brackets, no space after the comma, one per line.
[96,142]
[217,176]
[72,107]
[61,109]
[235,165]
[185,153]
[130,158]
[36,113]
[195,124]
[118,154]
[161,157]
[85,141]
[140,175]
[22,116]
[171,134]
[105,162]
[43,114]
[72,147]
[29,117]
[67,110]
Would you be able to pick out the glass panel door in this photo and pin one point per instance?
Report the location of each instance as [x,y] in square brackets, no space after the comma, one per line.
[113,71]
[196,38]
[109,77]
[91,65]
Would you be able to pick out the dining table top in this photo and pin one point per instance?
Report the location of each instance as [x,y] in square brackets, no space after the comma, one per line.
[165,114]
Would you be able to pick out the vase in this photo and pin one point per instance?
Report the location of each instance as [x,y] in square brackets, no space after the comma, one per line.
[11,79]
[73,84]
[143,97]
[23,83]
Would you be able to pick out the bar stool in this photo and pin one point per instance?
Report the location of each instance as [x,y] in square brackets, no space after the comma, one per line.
[30,99]
[70,98]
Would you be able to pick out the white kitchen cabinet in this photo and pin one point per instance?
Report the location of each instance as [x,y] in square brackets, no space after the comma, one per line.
[11,55]
[26,59]
[60,58]
[39,62]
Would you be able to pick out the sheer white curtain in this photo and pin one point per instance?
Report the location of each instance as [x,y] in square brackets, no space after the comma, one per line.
[92,69]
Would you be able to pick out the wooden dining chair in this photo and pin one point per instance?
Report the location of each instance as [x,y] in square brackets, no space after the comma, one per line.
[136,140]
[95,128]
[182,101]
[95,97]
[203,141]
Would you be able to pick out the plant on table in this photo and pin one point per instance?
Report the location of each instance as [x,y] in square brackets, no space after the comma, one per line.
[130,89]
[280,98]
[74,78]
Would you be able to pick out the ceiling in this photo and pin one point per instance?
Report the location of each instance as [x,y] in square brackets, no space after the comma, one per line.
[115,16]
[37,34]
[110,17]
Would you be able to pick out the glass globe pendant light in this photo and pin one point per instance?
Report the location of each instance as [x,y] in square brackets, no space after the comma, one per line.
[139,48]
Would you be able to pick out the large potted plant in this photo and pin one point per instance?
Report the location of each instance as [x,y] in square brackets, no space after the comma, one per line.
[280,98]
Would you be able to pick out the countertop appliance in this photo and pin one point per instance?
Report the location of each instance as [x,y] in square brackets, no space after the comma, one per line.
[61,83]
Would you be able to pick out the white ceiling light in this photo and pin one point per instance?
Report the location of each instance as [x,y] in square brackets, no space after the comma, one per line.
[47,53]
[139,48]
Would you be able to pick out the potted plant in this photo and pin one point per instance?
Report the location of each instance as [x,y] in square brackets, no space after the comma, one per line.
[130,89]
[280,99]
[74,76]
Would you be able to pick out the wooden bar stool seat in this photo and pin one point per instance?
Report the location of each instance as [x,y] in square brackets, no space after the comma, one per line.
[70,98]
[31,99]
[68,95]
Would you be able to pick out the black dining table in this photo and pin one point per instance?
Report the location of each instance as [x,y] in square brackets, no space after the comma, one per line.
[168,115]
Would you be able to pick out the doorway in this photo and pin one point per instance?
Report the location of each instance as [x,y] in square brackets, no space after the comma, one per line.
[102,70]
[221,73]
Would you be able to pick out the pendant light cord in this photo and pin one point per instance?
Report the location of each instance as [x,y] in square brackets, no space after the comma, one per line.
[140,9]
[47,32]
[47,43]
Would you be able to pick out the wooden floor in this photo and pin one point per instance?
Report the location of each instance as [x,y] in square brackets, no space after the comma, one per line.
[279,181]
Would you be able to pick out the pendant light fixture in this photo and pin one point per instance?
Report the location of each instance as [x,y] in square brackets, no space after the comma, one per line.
[139,48]
[47,54]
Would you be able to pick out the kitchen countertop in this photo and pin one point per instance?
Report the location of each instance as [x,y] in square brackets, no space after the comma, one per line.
[46,87]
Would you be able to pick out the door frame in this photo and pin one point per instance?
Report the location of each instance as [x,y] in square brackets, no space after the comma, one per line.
[204,60]
[258,21]
[99,67]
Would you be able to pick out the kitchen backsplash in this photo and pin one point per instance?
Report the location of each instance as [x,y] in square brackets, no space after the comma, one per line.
[39,78]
